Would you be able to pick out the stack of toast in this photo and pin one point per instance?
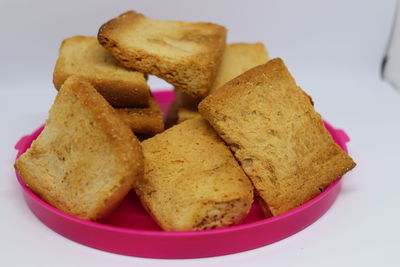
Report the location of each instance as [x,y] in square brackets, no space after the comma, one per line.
[239,128]
[126,90]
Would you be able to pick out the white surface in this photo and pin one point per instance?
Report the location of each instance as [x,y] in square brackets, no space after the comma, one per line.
[392,68]
[332,48]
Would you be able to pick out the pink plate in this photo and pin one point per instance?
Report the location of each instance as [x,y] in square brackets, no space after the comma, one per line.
[130,231]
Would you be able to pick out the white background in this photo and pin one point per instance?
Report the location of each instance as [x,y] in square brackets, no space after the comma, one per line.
[333,49]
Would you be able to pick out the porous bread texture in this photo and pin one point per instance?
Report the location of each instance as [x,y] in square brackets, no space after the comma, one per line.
[280,141]
[86,159]
[191,180]
[238,58]
[185,54]
[147,121]
[83,56]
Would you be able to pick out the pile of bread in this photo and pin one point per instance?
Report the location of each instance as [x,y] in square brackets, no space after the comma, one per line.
[240,128]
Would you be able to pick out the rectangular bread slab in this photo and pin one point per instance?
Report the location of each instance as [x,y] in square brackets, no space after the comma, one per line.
[192,181]
[279,139]
[83,56]
[86,159]
[185,54]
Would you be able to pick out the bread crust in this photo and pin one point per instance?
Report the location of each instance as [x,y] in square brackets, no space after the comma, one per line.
[82,56]
[86,159]
[187,55]
[147,121]
[279,139]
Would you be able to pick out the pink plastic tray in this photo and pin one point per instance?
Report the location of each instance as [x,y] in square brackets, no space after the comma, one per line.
[130,231]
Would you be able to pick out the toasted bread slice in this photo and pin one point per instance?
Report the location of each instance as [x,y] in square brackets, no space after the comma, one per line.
[185,54]
[86,159]
[147,121]
[238,58]
[272,128]
[83,56]
[191,180]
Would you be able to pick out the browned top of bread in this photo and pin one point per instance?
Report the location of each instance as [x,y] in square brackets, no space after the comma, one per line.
[192,181]
[185,54]
[273,130]
[147,120]
[86,159]
[237,58]
[83,56]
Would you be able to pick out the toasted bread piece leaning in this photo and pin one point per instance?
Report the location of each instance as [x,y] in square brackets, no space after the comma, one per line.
[86,159]
[279,139]
[191,180]
[83,56]
[185,54]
